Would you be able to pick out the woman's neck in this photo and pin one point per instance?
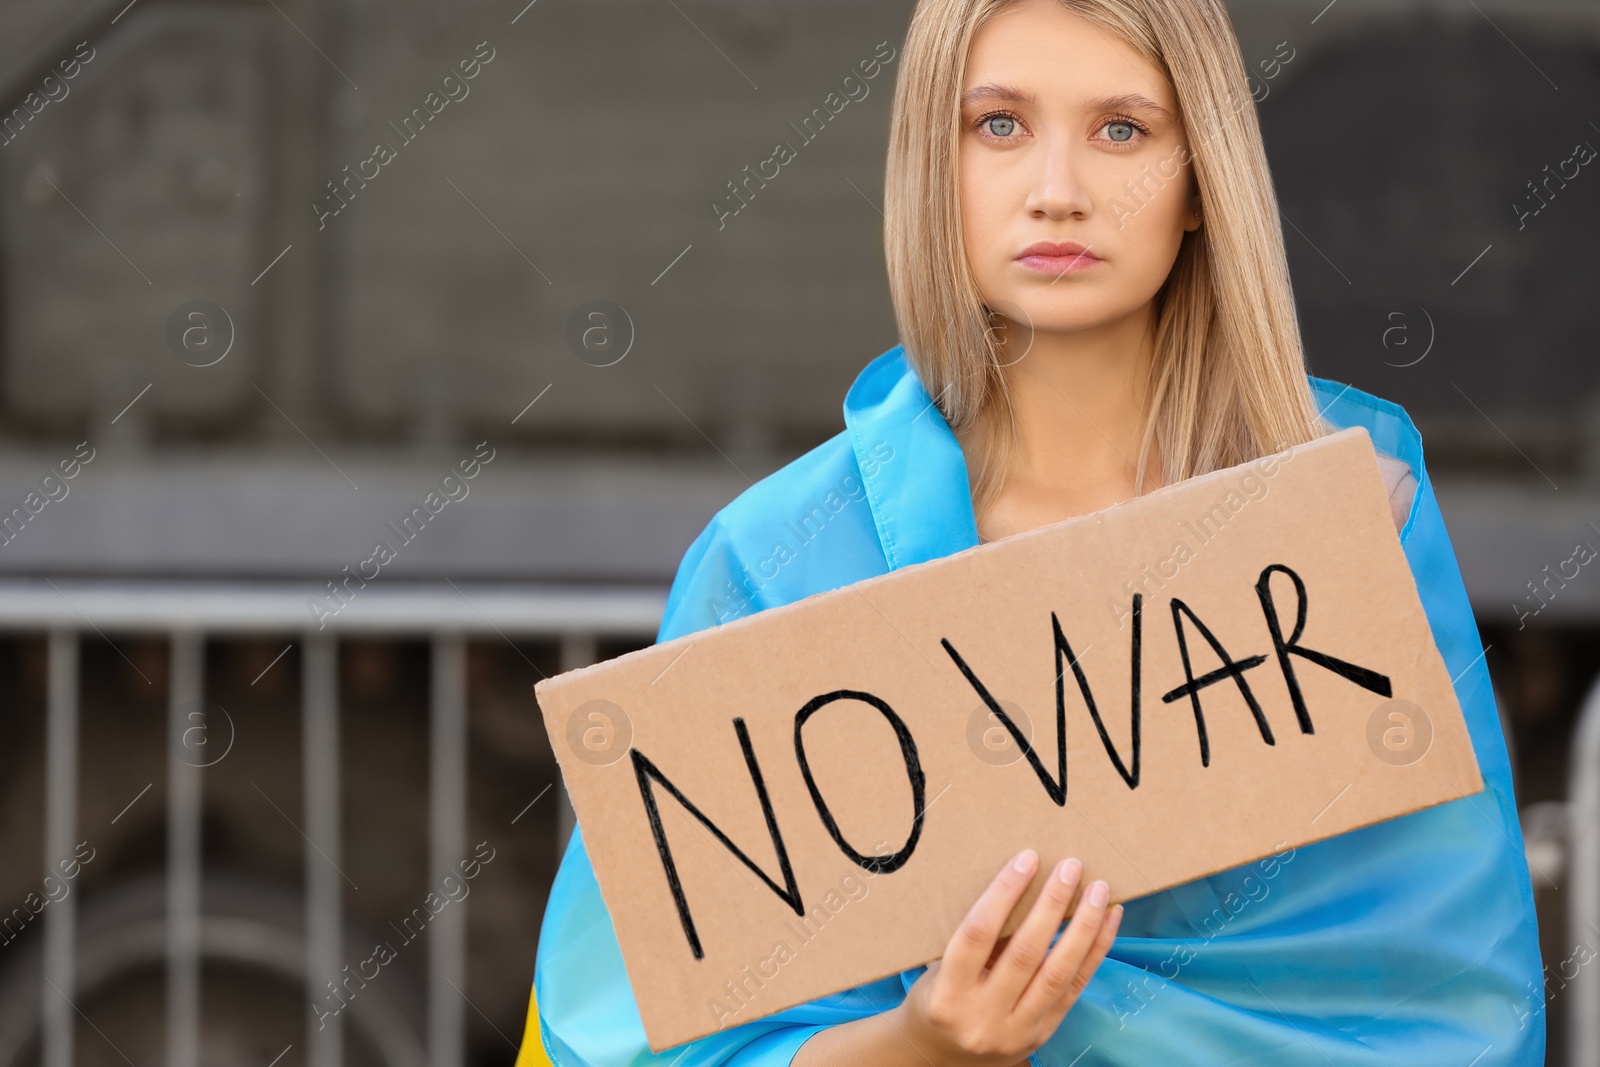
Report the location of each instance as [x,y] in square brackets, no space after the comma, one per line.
[1078,402]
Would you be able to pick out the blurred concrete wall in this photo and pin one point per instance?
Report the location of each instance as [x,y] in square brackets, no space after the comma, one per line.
[563,227]
[257,337]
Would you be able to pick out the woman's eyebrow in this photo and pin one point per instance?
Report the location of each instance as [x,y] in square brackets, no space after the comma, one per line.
[997,92]
[1128,102]
[1120,102]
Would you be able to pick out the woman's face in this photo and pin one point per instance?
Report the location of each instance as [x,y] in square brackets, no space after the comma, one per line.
[1069,139]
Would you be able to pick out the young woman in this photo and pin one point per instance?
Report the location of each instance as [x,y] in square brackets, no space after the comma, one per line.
[1093,299]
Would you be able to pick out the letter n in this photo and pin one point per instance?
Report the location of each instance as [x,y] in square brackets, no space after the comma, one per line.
[645,770]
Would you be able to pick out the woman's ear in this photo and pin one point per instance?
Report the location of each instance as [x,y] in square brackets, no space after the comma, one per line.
[1192,222]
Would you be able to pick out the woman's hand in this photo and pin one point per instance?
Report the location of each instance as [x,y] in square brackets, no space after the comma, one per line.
[991,1002]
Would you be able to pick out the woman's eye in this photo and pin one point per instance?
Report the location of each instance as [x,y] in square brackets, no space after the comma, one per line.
[1122,130]
[1000,125]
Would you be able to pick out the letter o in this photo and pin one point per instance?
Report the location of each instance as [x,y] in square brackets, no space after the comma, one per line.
[908,750]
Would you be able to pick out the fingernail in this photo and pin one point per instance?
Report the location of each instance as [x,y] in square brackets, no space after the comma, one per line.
[1025,860]
[1099,893]
[1068,871]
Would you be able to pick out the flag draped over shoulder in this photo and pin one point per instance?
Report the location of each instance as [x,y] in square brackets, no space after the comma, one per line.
[1410,941]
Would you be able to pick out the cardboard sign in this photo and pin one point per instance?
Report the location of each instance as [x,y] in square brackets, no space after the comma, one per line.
[812,797]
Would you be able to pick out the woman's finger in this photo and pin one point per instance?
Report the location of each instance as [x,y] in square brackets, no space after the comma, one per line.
[973,942]
[1022,957]
[1072,959]
[1086,972]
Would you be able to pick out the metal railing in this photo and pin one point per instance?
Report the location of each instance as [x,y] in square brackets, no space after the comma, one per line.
[188,613]
[577,619]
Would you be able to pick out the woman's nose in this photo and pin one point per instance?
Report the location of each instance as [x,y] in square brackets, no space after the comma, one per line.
[1056,190]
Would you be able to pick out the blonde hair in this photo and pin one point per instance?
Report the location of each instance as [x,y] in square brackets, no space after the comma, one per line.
[1228,379]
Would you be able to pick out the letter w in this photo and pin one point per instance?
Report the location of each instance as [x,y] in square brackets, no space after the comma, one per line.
[1057,787]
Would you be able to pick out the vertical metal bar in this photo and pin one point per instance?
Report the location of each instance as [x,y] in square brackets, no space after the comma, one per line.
[1583,889]
[185,714]
[324,922]
[577,650]
[60,827]
[447,843]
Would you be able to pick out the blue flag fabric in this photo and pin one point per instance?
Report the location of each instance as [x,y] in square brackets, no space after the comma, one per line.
[1410,941]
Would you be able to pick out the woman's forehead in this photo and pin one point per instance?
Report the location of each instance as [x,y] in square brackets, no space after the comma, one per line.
[1038,49]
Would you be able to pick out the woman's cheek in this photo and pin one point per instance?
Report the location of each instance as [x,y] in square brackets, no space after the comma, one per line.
[978,234]
[1150,237]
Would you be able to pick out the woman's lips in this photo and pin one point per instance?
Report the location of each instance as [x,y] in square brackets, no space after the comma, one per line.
[1050,258]
[1059,264]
